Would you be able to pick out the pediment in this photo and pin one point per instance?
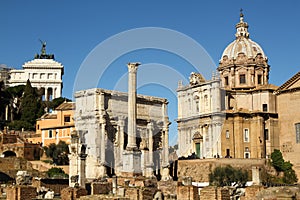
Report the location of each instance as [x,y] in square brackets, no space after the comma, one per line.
[241,68]
[292,83]
[259,69]
[197,135]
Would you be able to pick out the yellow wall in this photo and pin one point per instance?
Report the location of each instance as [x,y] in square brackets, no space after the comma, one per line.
[61,130]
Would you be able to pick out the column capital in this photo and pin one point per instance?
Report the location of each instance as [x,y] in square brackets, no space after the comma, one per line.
[132,67]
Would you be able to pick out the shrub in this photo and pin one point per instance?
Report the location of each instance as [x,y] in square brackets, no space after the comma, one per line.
[227,176]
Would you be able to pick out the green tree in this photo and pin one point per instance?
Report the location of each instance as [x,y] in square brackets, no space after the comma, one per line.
[277,161]
[56,172]
[14,96]
[226,176]
[58,152]
[3,101]
[51,105]
[31,107]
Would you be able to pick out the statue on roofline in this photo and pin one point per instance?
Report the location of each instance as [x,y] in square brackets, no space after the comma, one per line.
[43,54]
[43,50]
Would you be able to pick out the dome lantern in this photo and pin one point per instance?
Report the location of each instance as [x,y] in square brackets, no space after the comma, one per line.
[242,27]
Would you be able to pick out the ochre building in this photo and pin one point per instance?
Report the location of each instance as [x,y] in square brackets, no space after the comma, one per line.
[55,126]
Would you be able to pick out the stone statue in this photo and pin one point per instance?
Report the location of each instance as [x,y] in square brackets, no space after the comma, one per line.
[43,50]
[196,78]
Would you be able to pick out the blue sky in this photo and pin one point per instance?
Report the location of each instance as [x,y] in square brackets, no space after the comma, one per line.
[72,29]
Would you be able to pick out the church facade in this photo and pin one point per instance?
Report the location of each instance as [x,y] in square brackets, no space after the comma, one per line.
[200,117]
[247,124]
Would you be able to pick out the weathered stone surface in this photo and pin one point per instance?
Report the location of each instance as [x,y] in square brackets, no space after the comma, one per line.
[71,193]
[20,192]
[273,193]
[55,185]
[101,188]
[199,169]
[188,192]
[101,118]
[214,193]
[167,187]
[102,197]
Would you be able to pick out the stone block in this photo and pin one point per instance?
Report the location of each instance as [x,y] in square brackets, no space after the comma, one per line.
[101,188]
[71,193]
[20,193]
[167,187]
[251,192]
[187,192]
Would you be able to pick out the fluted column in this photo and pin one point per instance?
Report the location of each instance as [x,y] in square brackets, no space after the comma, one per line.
[132,69]
[149,160]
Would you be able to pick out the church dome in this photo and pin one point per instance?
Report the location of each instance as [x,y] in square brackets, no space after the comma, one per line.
[242,44]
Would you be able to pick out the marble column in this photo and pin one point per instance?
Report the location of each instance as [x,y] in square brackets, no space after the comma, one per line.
[46,94]
[211,139]
[132,69]
[165,173]
[132,156]
[119,163]
[103,170]
[149,160]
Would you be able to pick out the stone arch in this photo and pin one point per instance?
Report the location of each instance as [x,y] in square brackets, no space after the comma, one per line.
[9,154]
[4,178]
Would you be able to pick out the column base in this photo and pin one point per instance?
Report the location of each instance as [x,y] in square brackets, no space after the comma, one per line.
[148,172]
[165,174]
[131,163]
[103,171]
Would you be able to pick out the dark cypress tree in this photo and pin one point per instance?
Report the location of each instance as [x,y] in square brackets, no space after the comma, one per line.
[3,103]
[32,106]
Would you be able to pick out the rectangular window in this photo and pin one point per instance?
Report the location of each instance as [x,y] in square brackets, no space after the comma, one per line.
[246,135]
[266,134]
[226,81]
[227,134]
[259,79]
[67,118]
[242,78]
[297,126]
[265,107]
[50,134]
